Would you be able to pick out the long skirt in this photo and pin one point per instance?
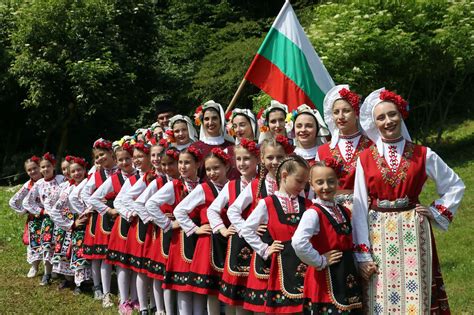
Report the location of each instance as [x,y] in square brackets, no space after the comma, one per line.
[408,280]
[61,262]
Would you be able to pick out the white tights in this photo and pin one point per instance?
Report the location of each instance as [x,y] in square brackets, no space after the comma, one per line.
[126,284]
[191,303]
[162,299]
[106,276]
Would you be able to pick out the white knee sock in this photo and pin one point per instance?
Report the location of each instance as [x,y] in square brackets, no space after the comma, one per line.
[142,290]
[123,279]
[199,304]
[185,303]
[213,307]
[106,276]
[158,295]
[95,266]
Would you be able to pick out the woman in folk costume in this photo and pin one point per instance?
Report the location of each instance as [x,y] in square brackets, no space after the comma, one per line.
[234,266]
[323,240]
[309,130]
[38,202]
[393,233]
[153,260]
[68,255]
[104,156]
[33,224]
[179,255]
[242,124]
[272,152]
[181,133]
[205,271]
[272,121]
[281,213]
[341,112]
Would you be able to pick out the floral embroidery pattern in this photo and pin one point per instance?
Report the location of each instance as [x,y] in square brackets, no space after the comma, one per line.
[444,211]
[347,167]
[361,248]
[394,178]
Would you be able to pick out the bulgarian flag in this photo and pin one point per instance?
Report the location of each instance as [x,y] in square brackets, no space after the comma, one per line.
[287,67]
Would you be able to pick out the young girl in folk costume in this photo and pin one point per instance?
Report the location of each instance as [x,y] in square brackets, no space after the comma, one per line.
[281,213]
[65,166]
[181,248]
[323,240]
[38,202]
[272,121]
[236,263]
[272,152]
[393,232]
[341,112]
[104,156]
[33,224]
[213,134]
[68,257]
[153,260]
[181,133]
[310,132]
[140,229]
[242,124]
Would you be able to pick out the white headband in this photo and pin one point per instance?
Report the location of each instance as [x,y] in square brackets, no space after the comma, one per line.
[322,128]
[218,108]
[191,130]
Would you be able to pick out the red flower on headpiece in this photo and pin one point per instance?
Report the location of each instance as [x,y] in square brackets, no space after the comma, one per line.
[49,157]
[69,158]
[163,143]
[198,116]
[170,136]
[148,135]
[142,146]
[35,159]
[335,165]
[221,155]
[401,104]
[250,146]
[285,142]
[128,147]
[80,161]
[102,144]
[352,98]
[195,152]
[174,154]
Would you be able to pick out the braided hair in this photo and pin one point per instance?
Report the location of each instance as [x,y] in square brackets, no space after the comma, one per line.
[262,169]
[290,165]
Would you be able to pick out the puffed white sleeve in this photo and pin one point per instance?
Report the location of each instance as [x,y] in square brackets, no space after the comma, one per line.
[360,230]
[129,197]
[119,205]
[32,202]
[165,195]
[58,214]
[95,200]
[87,190]
[16,201]
[139,203]
[214,210]
[195,198]
[234,213]
[449,187]
[75,201]
[258,217]
[307,228]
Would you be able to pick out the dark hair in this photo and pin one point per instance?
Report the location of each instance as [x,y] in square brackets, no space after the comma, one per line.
[163,106]
[274,110]
[290,164]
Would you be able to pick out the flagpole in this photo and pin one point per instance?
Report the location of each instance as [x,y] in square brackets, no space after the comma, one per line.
[236,95]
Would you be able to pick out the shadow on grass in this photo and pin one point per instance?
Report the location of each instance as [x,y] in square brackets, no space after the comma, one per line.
[457,153]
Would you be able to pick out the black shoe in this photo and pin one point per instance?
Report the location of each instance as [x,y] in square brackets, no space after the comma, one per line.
[153,310]
[46,280]
[64,284]
[144,312]
[77,291]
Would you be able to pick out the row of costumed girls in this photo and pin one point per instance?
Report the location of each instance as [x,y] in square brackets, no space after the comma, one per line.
[280,213]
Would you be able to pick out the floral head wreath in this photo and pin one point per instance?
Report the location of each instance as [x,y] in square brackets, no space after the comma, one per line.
[174,154]
[285,143]
[164,143]
[142,146]
[219,153]
[35,159]
[195,152]
[262,116]
[102,144]
[396,99]
[49,157]
[250,146]
[81,161]
[352,98]
[69,158]
[128,147]
[332,163]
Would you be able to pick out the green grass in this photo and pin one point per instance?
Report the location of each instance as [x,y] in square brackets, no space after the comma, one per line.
[21,295]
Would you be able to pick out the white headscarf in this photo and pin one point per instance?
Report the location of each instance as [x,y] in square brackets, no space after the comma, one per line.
[251,117]
[202,133]
[263,120]
[191,130]
[367,120]
[322,128]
